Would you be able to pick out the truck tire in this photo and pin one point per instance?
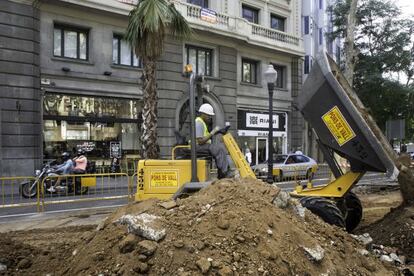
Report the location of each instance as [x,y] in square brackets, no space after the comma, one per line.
[325,209]
[351,208]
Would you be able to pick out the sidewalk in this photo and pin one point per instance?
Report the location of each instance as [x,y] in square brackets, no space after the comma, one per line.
[54,219]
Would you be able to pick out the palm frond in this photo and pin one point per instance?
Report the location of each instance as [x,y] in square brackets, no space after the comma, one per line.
[148,25]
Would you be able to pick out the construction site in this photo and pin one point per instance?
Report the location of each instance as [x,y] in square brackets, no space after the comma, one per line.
[242,225]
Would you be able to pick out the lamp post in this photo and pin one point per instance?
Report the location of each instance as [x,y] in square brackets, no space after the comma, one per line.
[270,76]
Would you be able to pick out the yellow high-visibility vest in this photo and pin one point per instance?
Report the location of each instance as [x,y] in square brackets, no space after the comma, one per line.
[206,133]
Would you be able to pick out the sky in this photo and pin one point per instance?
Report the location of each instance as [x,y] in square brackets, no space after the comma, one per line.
[407,6]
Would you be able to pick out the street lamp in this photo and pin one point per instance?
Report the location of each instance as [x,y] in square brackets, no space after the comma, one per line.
[270,76]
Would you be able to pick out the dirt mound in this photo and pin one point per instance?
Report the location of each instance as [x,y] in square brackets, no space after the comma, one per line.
[229,228]
[40,251]
[406,180]
[396,230]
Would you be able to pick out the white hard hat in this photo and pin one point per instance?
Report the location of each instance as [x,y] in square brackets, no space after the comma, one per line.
[206,109]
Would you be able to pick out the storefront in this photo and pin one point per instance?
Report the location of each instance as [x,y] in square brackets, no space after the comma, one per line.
[103,127]
[253,133]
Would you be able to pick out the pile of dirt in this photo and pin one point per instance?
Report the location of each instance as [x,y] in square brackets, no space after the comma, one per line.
[229,228]
[396,230]
[39,251]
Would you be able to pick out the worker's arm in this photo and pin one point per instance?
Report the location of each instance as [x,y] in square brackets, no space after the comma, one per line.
[201,140]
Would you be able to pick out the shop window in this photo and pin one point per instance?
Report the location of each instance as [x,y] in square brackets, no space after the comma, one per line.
[69,42]
[200,58]
[249,71]
[92,123]
[277,22]
[280,81]
[201,3]
[122,53]
[96,107]
[250,14]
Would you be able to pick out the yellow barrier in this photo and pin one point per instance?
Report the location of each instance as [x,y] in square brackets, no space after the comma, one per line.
[10,192]
[78,188]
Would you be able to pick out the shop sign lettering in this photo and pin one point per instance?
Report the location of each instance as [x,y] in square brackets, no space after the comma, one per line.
[258,120]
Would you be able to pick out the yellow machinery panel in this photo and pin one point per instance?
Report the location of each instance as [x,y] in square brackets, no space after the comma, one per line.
[88,181]
[162,178]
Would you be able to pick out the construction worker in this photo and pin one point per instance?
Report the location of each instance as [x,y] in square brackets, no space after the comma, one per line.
[204,145]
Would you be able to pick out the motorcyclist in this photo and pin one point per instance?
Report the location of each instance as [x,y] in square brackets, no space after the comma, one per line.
[80,162]
[65,168]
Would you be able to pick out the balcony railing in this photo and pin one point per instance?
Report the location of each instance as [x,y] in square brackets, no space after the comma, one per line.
[240,28]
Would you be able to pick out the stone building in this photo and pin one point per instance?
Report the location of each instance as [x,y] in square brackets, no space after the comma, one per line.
[81,86]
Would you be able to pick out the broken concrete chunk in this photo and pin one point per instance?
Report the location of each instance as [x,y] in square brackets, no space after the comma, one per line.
[223,224]
[147,247]
[169,204]
[395,258]
[3,267]
[204,265]
[316,254]
[363,252]
[300,210]
[282,200]
[144,225]
[365,238]
[386,258]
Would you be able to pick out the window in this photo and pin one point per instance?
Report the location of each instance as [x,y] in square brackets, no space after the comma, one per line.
[70,42]
[249,71]
[250,14]
[122,53]
[306,65]
[321,4]
[200,59]
[277,22]
[201,3]
[320,36]
[280,81]
[306,24]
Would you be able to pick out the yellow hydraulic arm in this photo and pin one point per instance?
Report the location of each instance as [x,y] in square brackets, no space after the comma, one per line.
[237,156]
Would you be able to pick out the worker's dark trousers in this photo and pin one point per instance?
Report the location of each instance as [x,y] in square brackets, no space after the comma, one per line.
[219,153]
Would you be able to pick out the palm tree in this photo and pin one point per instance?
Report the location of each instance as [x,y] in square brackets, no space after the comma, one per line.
[149,22]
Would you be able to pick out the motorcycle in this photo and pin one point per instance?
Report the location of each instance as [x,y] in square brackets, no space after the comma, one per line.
[48,177]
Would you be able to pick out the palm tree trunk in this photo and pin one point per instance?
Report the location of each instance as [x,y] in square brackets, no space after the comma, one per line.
[149,113]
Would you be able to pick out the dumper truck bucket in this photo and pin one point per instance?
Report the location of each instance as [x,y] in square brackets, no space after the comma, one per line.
[341,122]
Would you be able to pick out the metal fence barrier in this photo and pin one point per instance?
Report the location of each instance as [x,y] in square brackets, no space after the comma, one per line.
[81,189]
[11,196]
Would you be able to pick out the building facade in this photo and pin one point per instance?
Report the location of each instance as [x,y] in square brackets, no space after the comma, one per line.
[89,88]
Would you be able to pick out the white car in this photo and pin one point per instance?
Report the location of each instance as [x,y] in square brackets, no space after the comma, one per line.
[291,166]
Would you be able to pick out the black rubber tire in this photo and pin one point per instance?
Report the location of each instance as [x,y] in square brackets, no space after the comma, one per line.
[325,209]
[353,211]
[25,190]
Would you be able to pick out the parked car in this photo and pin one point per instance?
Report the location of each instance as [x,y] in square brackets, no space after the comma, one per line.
[288,166]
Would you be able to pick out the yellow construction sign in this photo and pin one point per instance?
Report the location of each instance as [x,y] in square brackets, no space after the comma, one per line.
[164,179]
[338,126]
